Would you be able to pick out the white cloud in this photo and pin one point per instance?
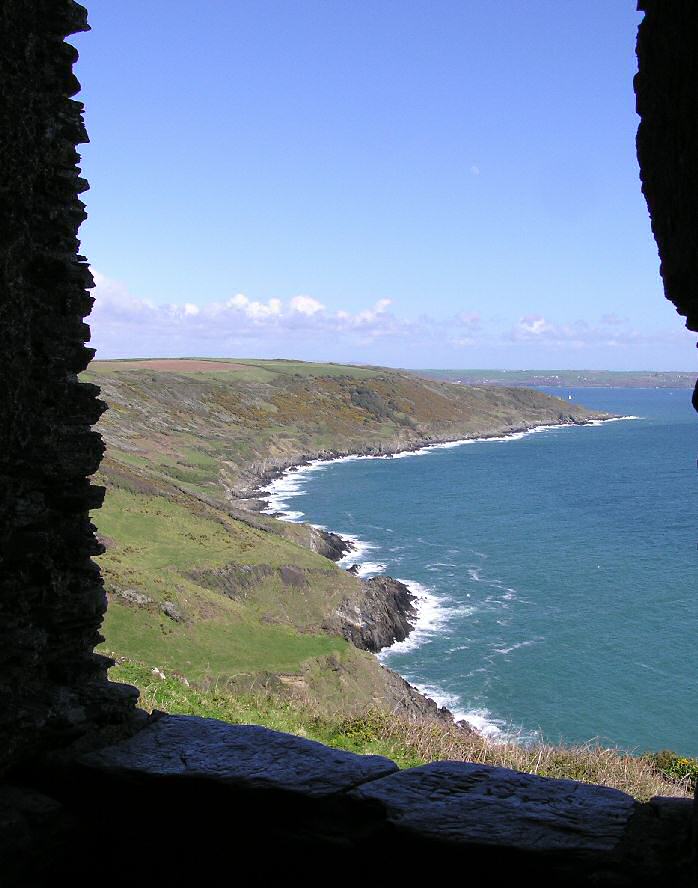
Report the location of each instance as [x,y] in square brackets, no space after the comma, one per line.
[254,310]
[123,324]
[475,170]
[532,326]
[610,332]
[306,305]
[471,320]
[236,319]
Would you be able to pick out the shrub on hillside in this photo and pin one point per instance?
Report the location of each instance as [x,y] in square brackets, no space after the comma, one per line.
[675,767]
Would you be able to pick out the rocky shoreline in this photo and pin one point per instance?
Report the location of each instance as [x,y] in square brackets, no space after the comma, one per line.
[383,612]
[253,497]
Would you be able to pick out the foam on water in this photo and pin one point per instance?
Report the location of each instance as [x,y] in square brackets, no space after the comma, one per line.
[516,647]
[355,556]
[432,616]
[369,569]
[598,422]
[481,720]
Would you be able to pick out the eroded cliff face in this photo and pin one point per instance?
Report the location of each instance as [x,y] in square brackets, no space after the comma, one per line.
[380,613]
[666,87]
[52,685]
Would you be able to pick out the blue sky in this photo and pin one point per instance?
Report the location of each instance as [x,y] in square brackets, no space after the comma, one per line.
[441,184]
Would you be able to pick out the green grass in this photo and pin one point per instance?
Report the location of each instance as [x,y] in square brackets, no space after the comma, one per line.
[177,549]
[242,370]
[310,369]
[213,650]
[155,532]
[407,742]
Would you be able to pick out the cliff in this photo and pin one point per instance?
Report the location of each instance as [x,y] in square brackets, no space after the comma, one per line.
[202,584]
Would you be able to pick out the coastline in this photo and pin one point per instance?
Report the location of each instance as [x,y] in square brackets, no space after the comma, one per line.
[266,476]
[425,607]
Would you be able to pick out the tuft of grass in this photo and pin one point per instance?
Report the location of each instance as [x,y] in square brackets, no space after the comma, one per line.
[408,742]
[675,767]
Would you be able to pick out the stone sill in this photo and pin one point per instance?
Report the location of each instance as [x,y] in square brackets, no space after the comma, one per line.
[192,798]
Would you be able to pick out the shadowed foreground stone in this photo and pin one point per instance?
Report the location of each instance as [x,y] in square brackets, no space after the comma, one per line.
[295,807]
[246,757]
[482,805]
[33,829]
[559,832]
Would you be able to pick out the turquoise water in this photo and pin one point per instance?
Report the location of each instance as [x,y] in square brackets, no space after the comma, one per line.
[556,571]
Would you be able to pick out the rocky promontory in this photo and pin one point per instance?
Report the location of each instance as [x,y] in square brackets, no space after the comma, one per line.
[380,613]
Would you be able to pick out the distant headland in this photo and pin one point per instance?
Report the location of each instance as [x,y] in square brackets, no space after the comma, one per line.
[563,378]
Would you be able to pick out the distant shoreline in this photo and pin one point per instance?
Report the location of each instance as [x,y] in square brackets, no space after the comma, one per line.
[617,379]
[268,476]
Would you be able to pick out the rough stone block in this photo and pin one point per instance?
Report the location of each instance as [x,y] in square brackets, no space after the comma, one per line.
[246,757]
[481,805]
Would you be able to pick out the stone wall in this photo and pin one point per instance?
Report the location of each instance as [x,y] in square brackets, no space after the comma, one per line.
[52,685]
[666,87]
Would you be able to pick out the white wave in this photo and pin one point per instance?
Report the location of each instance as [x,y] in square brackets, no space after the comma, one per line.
[598,422]
[431,618]
[404,454]
[290,515]
[355,556]
[516,646]
[481,720]
[284,488]
[369,569]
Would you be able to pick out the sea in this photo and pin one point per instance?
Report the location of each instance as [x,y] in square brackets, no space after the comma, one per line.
[555,571]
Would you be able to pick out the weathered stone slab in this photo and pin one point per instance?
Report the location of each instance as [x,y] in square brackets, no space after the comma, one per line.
[476,805]
[247,757]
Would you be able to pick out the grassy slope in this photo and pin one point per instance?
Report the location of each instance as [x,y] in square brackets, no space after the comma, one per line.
[249,596]
[168,547]
[407,742]
[215,432]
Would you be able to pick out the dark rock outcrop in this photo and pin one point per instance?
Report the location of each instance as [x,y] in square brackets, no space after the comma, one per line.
[329,544]
[380,614]
[666,87]
[52,684]
[233,580]
[406,701]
